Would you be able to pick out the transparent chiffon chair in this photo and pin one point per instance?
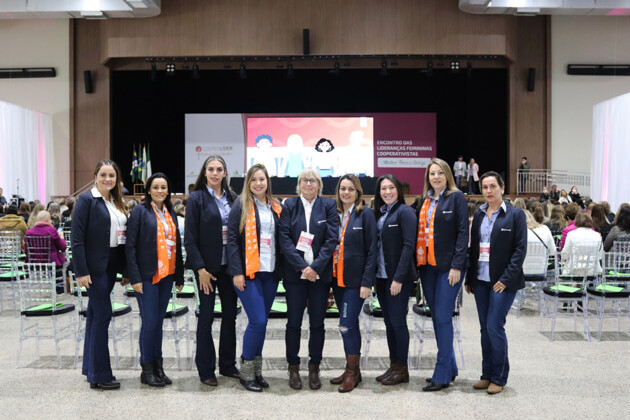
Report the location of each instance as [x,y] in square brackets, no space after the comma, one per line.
[535,267]
[10,250]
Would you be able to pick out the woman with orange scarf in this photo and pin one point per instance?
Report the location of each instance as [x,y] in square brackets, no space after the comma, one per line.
[441,252]
[254,262]
[154,263]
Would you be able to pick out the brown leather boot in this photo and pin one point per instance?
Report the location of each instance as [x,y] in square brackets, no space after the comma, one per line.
[352,375]
[339,379]
[313,377]
[294,377]
[399,375]
[388,372]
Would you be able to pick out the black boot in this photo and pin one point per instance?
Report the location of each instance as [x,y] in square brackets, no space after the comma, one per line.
[158,371]
[258,372]
[247,377]
[148,377]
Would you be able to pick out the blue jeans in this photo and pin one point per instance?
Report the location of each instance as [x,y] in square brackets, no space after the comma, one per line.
[441,296]
[298,294]
[493,308]
[206,357]
[96,365]
[152,303]
[257,299]
[395,310]
[350,304]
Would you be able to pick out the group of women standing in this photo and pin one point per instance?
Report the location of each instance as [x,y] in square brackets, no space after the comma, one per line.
[244,245]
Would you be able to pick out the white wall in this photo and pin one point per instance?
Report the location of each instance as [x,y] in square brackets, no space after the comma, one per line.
[41,43]
[583,40]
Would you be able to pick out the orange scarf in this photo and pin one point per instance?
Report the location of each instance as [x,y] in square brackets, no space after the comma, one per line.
[422,247]
[338,266]
[252,253]
[166,265]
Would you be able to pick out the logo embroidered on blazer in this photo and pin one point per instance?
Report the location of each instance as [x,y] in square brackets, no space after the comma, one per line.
[447,211]
[357,227]
[506,230]
[321,221]
[396,225]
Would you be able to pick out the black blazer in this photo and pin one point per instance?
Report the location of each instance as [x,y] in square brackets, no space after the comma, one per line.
[141,246]
[398,237]
[508,247]
[450,235]
[360,250]
[236,242]
[90,232]
[203,237]
[324,224]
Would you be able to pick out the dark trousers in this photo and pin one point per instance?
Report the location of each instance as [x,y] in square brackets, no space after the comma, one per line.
[298,294]
[395,317]
[96,365]
[257,299]
[350,304]
[472,186]
[206,356]
[152,303]
[492,308]
[441,296]
[458,181]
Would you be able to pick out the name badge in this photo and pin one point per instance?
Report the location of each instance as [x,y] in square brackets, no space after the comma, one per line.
[305,241]
[170,247]
[265,243]
[336,254]
[224,234]
[484,251]
[121,234]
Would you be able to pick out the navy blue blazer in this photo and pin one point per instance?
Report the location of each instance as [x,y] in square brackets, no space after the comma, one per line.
[141,246]
[399,237]
[450,231]
[324,224]
[508,247]
[90,232]
[360,249]
[203,237]
[236,242]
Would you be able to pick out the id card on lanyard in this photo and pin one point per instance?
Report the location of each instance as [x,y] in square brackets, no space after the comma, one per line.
[224,231]
[170,247]
[484,251]
[121,235]
[305,241]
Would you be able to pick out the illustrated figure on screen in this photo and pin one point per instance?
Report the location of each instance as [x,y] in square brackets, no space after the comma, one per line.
[325,160]
[265,154]
[292,162]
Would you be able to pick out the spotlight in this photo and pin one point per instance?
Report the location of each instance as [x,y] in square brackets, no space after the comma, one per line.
[170,69]
[290,73]
[384,68]
[195,72]
[335,70]
[469,70]
[242,72]
[430,68]
[153,72]
[455,66]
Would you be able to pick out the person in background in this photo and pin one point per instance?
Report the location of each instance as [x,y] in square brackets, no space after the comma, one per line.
[557,220]
[33,217]
[497,252]
[544,195]
[539,234]
[155,263]
[459,170]
[600,221]
[571,211]
[564,198]
[55,214]
[524,167]
[575,197]
[609,214]
[554,194]
[24,211]
[583,234]
[43,227]
[180,210]
[70,203]
[11,221]
[3,200]
[621,230]
[473,177]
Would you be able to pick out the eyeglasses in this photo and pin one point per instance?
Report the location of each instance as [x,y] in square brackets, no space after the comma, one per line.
[308,181]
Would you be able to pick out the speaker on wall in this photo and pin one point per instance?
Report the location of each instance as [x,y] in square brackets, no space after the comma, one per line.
[306,41]
[531,79]
[87,78]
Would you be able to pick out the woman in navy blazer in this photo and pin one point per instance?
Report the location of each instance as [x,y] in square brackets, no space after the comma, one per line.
[255,276]
[307,269]
[98,237]
[498,245]
[395,271]
[354,272]
[153,293]
[205,239]
[441,251]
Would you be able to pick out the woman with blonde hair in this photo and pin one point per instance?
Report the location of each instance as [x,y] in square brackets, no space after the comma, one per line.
[255,265]
[33,217]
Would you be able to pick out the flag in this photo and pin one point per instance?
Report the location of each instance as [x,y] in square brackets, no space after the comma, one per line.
[148,164]
[140,165]
[134,165]
[144,164]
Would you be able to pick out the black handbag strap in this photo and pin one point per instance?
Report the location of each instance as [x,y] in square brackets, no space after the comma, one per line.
[539,238]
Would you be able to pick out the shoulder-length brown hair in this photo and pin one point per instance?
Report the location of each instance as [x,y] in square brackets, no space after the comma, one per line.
[358,203]
[115,192]
[247,197]
[450,181]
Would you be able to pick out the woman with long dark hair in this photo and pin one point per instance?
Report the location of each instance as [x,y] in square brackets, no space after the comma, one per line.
[154,262]
[98,237]
[205,238]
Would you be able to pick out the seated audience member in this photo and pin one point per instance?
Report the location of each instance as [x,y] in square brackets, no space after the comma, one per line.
[575,196]
[62,204]
[43,227]
[55,214]
[520,203]
[582,233]
[600,221]
[557,220]
[70,204]
[33,217]
[537,212]
[13,222]
[564,197]
[3,200]
[571,211]
[554,194]
[24,211]
[609,214]
[621,230]
[539,234]
[180,210]
[544,195]
[130,204]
